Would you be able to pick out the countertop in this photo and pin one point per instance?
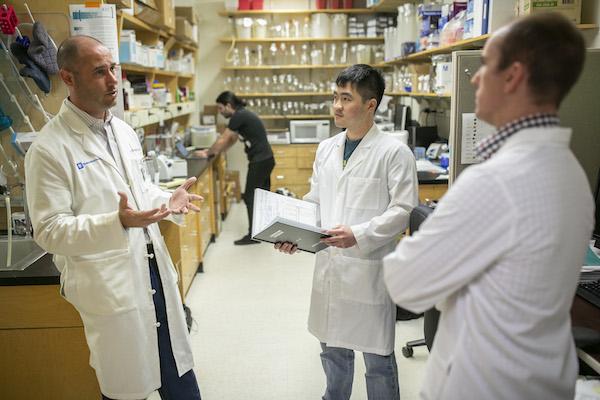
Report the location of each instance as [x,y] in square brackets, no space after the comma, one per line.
[430,178]
[41,272]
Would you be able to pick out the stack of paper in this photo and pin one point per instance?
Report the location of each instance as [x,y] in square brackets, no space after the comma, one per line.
[278,218]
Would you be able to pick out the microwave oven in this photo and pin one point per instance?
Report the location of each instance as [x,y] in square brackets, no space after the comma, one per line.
[309,131]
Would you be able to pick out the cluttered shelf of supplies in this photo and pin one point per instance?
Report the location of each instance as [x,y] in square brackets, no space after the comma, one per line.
[466,44]
[308,67]
[276,39]
[249,13]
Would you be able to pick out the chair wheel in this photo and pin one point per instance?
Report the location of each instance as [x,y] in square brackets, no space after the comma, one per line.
[407,352]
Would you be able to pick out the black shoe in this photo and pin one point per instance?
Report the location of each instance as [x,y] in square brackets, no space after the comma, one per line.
[245,240]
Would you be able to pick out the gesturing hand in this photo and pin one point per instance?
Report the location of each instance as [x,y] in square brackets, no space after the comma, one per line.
[341,236]
[181,200]
[131,218]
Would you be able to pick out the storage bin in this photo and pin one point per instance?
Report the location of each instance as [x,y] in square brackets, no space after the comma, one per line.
[244,4]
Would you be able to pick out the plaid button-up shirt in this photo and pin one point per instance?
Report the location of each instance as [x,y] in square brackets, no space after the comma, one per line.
[490,145]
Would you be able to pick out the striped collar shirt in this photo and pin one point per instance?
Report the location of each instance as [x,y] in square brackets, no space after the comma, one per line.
[102,128]
[490,145]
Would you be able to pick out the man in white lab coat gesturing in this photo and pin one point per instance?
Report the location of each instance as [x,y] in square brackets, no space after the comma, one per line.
[500,256]
[92,207]
[365,183]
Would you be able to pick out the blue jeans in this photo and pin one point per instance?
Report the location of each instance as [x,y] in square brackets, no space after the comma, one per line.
[173,387]
[381,376]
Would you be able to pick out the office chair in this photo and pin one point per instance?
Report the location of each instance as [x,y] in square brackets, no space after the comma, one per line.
[432,316]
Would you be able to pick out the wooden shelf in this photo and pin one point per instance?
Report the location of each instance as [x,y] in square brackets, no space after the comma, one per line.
[269,40]
[388,5]
[245,13]
[286,67]
[285,94]
[155,71]
[467,44]
[419,94]
[287,117]
[187,46]
[145,117]
[472,43]
[131,22]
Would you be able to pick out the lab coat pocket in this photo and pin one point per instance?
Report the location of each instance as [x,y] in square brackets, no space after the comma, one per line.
[363,193]
[104,285]
[361,280]
[438,373]
[321,262]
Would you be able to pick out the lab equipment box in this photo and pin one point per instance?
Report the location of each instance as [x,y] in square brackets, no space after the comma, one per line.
[569,8]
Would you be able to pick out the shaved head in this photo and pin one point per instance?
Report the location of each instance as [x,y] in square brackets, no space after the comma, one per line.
[69,52]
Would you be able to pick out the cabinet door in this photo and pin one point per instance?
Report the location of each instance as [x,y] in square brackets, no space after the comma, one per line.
[284,150]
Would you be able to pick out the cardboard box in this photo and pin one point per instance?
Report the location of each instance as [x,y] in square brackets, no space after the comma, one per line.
[167,10]
[121,3]
[187,13]
[147,14]
[183,29]
[569,8]
[149,3]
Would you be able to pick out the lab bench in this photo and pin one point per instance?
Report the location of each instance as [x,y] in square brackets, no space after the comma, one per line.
[294,167]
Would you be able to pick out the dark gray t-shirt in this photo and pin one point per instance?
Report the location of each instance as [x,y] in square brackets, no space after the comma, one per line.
[252,133]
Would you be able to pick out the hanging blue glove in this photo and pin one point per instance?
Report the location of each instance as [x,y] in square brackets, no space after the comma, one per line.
[5,121]
[31,70]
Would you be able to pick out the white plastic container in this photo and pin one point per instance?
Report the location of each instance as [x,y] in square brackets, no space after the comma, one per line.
[320,25]
[203,136]
[260,28]
[339,25]
[243,28]
[443,73]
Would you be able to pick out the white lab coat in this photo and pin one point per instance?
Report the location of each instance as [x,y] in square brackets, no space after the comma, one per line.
[72,185]
[374,195]
[500,257]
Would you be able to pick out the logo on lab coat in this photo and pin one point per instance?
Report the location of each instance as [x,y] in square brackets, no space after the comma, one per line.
[82,164]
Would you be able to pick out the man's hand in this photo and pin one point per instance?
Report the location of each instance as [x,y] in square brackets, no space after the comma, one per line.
[131,218]
[181,201]
[202,153]
[341,236]
[287,247]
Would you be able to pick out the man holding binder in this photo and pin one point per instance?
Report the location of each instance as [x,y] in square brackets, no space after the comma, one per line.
[365,184]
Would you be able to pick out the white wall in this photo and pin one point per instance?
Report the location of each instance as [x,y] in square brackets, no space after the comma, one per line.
[590,14]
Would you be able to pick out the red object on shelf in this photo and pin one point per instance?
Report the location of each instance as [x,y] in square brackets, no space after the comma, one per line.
[8,20]
[348,4]
[321,4]
[244,4]
[334,4]
[258,4]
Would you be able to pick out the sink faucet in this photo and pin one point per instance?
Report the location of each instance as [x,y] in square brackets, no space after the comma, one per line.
[23,226]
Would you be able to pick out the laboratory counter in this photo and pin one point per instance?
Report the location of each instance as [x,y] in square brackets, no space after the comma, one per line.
[41,272]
